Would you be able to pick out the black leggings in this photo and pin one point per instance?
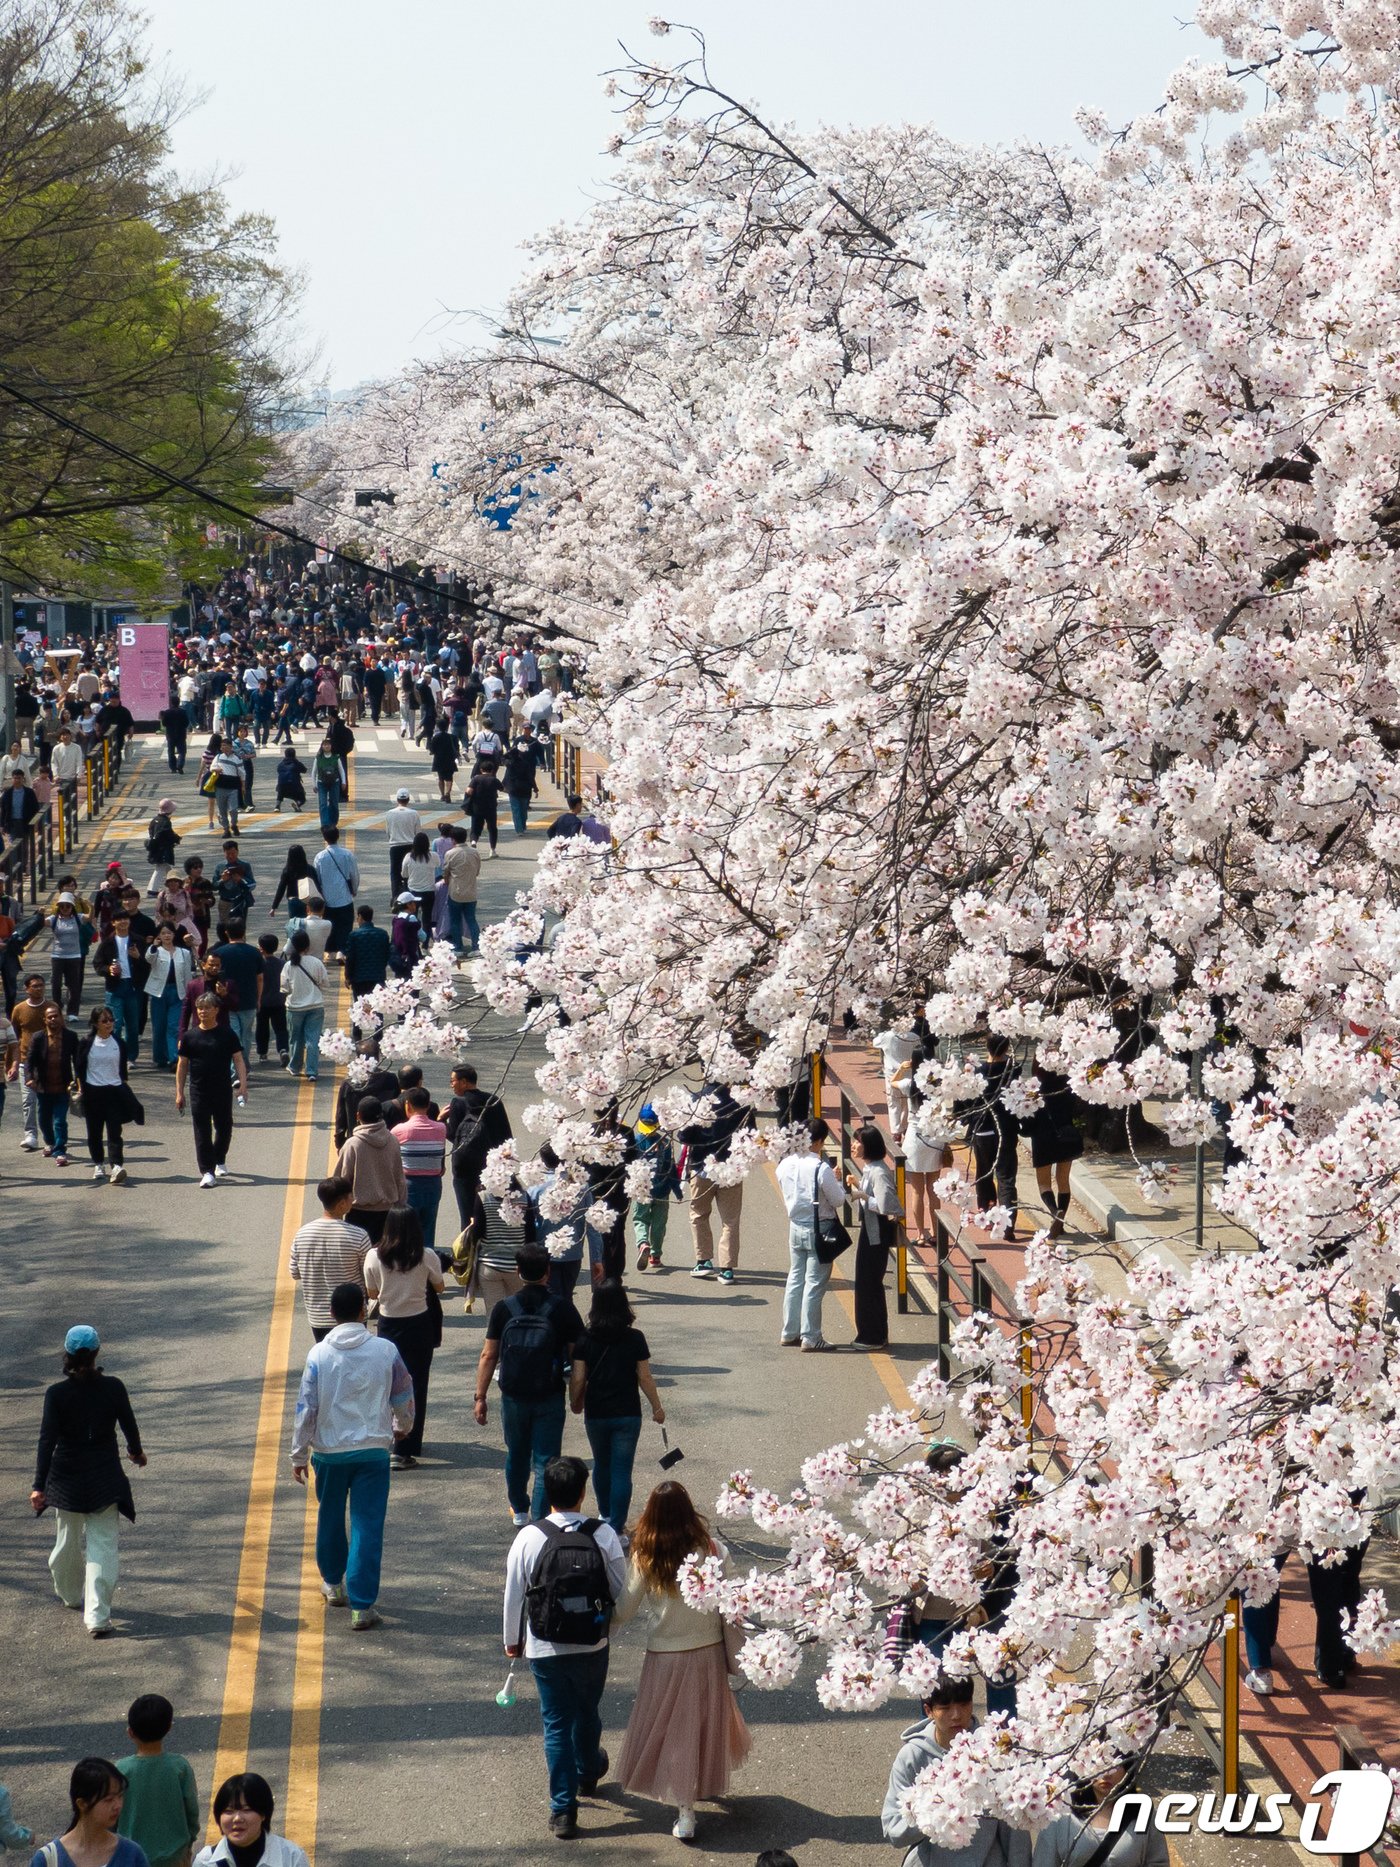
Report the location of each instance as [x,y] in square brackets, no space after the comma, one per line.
[484,820]
[102,1110]
[413,1336]
[271,1021]
[68,978]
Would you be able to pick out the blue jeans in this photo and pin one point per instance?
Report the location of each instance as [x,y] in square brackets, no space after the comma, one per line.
[462,914]
[807,1280]
[165,1027]
[570,1686]
[614,1444]
[519,812]
[122,1002]
[425,1196]
[361,1480]
[534,1431]
[304,1027]
[328,803]
[1261,1630]
[242,1024]
[53,1125]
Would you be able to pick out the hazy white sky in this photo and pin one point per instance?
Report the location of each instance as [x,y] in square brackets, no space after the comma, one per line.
[406,149]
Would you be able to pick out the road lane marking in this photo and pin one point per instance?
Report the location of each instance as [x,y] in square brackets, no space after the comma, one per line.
[250,1592]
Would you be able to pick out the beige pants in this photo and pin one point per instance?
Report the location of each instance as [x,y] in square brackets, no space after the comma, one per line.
[495,1286]
[83,1562]
[706,1197]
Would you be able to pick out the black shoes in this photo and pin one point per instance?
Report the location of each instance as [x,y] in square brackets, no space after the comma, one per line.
[563,1824]
[589,1785]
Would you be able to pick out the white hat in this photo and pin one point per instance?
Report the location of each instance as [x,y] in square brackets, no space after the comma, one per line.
[402,795]
[69,899]
[408,897]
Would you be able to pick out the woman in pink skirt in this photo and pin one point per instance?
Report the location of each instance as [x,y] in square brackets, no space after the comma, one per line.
[686,1733]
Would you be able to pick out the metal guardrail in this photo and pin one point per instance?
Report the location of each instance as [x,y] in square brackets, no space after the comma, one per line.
[29,865]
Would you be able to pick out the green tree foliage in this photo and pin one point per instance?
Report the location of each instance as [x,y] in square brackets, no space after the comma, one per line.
[132,306]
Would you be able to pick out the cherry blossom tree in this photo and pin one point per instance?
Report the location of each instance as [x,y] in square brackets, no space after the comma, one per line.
[984,567]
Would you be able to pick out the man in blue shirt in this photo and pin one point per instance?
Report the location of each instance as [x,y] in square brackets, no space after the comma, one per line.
[338,877]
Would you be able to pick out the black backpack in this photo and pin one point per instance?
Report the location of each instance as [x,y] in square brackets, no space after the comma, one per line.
[569,1600]
[529,1364]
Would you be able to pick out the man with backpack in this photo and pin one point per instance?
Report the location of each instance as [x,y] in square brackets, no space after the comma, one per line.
[563,1576]
[529,1337]
[476,1122]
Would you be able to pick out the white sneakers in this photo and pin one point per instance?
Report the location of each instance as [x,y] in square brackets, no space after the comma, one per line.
[206,1179]
[1261,1683]
[684,1829]
[99,1173]
[118,1176]
[221,1172]
[520,1518]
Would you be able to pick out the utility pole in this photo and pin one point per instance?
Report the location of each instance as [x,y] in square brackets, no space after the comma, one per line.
[8,664]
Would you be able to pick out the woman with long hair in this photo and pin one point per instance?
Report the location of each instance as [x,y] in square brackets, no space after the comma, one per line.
[96,1791]
[206,765]
[101,1069]
[296,884]
[78,1472]
[420,874]
[686,1734]
[408,1282]
[304,984]
[610,1373]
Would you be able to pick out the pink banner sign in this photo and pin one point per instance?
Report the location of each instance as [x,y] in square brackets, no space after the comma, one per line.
[144,668]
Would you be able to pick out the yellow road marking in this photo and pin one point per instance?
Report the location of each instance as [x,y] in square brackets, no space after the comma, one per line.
[245,1638]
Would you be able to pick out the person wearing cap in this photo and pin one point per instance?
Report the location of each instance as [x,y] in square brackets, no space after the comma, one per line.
[78,1474]
[649,1215]
[402,823]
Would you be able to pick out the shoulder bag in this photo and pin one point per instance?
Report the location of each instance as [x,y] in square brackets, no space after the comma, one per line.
[832,1235]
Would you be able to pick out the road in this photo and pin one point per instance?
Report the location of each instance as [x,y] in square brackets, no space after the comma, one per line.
[388,1745]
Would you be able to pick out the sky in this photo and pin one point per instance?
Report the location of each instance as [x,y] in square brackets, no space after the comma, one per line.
[407,150]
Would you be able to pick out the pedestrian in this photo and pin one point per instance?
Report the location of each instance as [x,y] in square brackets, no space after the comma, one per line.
[405,935]
[947,1711]
[607,1185]
[51,1072]
[649,1215]
[226,769]
[314,925]
[210,978]
[483,792]
[13,1834]
[898,1044]
[408,705]
[243,1809]
[811,1192]
[175,724]
[240,965]
[271,1023]
[991,1131]
[521,778]
[420,874]
[355,1401]
[366,956]
[96,1790]
[529,1337]
[1335,1588]
[442,754]
[72,935]
[327,776]
[28,1020]
[304,980]
[174,904]
[611,1371]
[422,1140]
[1089,1835]
[877,1194]
[296,884]
[326,1252]
[288,777]
[372,1161]
[402,823]
[407,1281]
[562,1234]
[207,1050]
[569,823]
[338,879]
[563,1575]
[169,970]
[461,871]
[707,1142]
[160,1811]
[686,1734]
[1056,1143]
[923,1157]
[78,1471]
[101,1071]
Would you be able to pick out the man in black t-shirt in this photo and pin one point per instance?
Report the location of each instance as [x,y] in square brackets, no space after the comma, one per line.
[530,1336]
[208,1051]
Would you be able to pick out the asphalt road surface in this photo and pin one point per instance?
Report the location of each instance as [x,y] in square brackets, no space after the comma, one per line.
[388,1745]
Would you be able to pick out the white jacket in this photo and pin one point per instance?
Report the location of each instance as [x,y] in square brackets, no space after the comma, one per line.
[160,962]
[355,1390]
[278,1851]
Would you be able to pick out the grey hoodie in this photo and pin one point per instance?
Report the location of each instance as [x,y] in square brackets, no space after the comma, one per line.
[994,1844]
[372,1162]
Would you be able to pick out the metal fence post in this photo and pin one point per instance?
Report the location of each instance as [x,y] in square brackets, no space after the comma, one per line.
[1230,1701]
[1027,1395]
[940,1241]
[901,1245]
[817,1087]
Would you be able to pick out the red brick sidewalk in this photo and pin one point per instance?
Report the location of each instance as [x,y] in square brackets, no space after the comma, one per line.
[1293,1731]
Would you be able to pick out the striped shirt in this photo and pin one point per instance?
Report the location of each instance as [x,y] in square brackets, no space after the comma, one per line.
[422,1141]
[325,1253]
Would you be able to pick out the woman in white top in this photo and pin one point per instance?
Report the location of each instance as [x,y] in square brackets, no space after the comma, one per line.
[877,1194]
[171,969]
[101,1069]
[243,1809]
[408,1282]
[304,983]
[686,1734]
[420,873]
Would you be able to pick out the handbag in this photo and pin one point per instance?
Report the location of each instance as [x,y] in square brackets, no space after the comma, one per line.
[210,784]
[832,1236]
